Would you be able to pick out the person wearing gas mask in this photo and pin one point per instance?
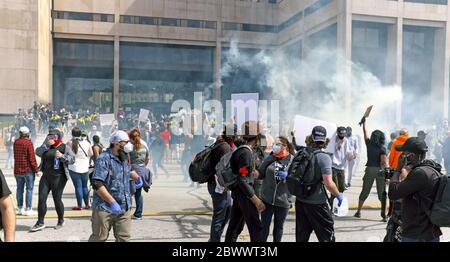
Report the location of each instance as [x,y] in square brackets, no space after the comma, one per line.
[111,205]
[416,185]
[274,192]
[342,154]
[55,159]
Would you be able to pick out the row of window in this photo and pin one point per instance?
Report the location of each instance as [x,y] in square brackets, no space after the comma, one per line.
[435,2]
[83,16]
[145,20]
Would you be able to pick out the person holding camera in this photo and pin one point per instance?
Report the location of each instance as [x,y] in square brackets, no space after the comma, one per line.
[416,185]
[274,192]
[376,160]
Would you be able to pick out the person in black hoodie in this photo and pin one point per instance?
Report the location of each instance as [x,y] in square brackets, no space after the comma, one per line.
[246,205]
[416,185]
[221,200]
[275,193]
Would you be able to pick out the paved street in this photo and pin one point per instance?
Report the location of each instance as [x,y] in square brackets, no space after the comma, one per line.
[175,211]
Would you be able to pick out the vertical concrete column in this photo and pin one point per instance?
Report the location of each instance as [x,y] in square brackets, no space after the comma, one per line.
[438,73]
[116,85]
[399,59]
[218,54]
[344,55]
[446,84]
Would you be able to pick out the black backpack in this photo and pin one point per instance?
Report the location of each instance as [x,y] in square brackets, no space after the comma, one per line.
[301,179]
[439,213]
[201,169]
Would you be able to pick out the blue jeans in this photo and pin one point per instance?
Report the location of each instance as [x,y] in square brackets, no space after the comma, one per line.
[221,212]
[266,218]
[80,182]
[139,203]
[22,181]
[412,240]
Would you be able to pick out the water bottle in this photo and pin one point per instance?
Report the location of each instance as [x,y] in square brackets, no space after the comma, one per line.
[342,210]
[56,164]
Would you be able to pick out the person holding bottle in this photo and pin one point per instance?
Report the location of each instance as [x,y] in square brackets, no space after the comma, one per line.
[55,158]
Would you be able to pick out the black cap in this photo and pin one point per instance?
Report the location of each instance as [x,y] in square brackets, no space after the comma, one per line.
[55,132]
[319,134]
[413,145]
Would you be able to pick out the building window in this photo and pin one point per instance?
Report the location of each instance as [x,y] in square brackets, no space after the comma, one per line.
[194,23]
[169,21]
[232,26]
[148,20]
[316,6]
[210,24]
[83,16]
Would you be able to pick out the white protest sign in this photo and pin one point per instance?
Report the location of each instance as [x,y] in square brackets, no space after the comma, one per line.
[143,115]
[303,126]
[107,119]
[244,107]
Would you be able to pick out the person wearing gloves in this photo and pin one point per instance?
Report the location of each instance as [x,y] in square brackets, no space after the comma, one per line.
[312,213]
[111,205]
[274,192]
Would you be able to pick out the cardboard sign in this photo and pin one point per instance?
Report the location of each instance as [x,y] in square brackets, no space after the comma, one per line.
[304,125]
[143,115]
[107,119]
[244,107]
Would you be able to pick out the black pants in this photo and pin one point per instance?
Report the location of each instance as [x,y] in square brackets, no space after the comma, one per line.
[243,210]
[56,184]
[221,212]
[309,217]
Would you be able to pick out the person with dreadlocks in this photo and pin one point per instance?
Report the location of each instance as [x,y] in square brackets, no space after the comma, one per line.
[376,160]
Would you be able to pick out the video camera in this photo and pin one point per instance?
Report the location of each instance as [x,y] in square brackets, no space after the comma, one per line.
[387,172]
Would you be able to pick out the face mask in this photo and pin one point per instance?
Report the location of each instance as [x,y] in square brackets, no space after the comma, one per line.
[341,137]
[128,148]
[276,149]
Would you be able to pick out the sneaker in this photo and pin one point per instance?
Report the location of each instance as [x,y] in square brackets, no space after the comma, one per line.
[37,227]
[136,218]
[87,207]
[59,225]
[76,208]
[357,214]
[20,211]
[29,212]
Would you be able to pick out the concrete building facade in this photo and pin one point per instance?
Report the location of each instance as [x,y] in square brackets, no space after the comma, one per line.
[146,53]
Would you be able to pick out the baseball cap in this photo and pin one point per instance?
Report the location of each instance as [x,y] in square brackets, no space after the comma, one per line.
[319,134]
[118,136]
[24,130]
[55,132]
[413,145]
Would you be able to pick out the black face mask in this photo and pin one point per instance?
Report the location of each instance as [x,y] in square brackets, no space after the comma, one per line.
[341,137]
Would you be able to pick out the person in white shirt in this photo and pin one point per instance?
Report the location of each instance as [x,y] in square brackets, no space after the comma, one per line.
[79,171]
[342,154]
[352,164]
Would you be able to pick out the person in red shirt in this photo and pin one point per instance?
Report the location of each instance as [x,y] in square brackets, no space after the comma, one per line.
[25,171]
[165,135]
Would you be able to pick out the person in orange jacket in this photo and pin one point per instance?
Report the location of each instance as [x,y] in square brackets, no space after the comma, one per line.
[394,154]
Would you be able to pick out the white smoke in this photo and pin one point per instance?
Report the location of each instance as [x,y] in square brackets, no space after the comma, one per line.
[312,86]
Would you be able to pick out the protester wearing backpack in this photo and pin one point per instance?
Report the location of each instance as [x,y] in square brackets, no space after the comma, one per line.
[312,211]
[246,205]
[416,185]
[221,200]
[275,193]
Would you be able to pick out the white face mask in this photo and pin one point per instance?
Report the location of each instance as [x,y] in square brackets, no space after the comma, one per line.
[128,148]
[276,149]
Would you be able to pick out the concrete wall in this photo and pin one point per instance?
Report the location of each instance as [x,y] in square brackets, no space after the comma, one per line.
[18,54]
